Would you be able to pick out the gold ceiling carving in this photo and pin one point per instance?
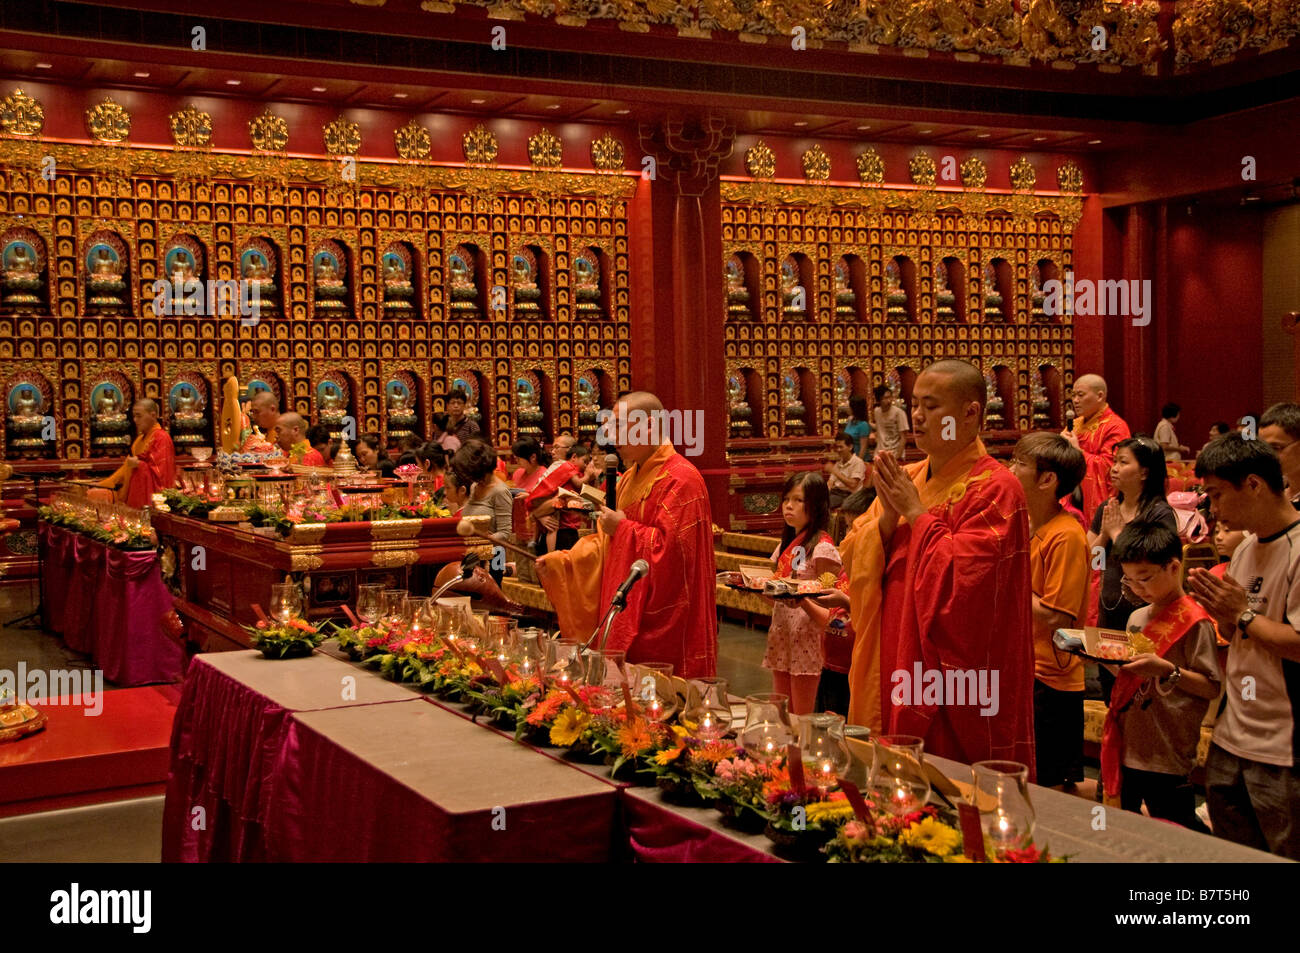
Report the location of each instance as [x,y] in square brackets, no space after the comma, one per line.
[191,127]
[1215,31]
[871,167]
[412,141]
[921,168]
[480,145]
[108,122]
[816,164]
[974,173]
[1023,175]
[1069,177]
[342,138]
[269,132]
[545,150]
[607,154]
[21,115]
[760,161]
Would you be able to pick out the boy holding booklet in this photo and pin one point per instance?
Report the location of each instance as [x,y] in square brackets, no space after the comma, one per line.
[1153,726]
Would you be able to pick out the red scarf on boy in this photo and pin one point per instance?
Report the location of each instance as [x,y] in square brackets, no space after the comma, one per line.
[1165,628]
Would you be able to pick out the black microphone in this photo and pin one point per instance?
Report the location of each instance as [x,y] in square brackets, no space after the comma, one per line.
[639,569]
[611,480]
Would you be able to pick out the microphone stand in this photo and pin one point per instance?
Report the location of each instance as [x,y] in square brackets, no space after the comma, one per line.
[615,607]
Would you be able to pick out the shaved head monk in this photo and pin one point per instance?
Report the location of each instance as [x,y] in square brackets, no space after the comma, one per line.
[1096,430]
[262,413]
[939,589]
[662,517]
[291,436]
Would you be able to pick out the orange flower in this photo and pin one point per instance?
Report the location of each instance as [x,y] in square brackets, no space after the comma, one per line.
[634,738]
[713,752]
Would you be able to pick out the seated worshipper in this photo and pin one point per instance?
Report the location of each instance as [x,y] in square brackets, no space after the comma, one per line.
[1138,478]
[475,467]
[318,437]
[558,525]
[1252,785]
[845,470]
[939,586]
[291,437]
[1153,724]
[794,636]
[433,460]
[858,428]
[372,455]
[1217,429]
[533,461]
[1049,469]
[448,441]
[454,496]
[151,467]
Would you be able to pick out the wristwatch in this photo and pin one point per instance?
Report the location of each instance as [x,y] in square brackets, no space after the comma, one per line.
[1245,619]
[1173,677]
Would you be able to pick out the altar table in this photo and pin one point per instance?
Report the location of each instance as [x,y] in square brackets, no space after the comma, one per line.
[110,604]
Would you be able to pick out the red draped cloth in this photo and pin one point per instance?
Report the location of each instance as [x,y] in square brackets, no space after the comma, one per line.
[1097,438]
[156,470]
[671,615]
[950,592]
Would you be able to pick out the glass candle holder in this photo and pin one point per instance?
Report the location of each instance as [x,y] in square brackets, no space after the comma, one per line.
[898,783]
[766,731]
[710,717]
[370,603]
[822,748]
[563,661]
[654,692]
[603,673]
[1001,794]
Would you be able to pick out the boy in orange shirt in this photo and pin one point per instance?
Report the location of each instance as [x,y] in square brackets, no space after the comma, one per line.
[1049,468]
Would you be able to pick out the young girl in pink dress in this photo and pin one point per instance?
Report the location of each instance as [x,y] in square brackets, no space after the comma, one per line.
[794,639]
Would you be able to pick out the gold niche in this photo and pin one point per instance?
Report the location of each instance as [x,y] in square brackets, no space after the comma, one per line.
[412,141]
[1023,175]
[816,164]
[20,115]
[760,161]
[269,132]
[480,145]
[607,154]
[191,127]
[544,150]
[974,173]
[871,168]
[108,122]
[1069,178]
[921,168]
[342,138]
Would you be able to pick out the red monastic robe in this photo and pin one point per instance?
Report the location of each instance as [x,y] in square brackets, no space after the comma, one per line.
[155,472]
[952,593]
[1097,438]
[671,614]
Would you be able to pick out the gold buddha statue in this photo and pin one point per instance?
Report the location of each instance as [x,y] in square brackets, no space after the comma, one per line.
[27,420]
[944,299]
[790,290]
[464,290]
[846,299]
[398,290]
[739,413]
[21,279]
[331,292]
[523,273]
[586,274]
[895,296]
[737,290]
[992,296]
[105,284]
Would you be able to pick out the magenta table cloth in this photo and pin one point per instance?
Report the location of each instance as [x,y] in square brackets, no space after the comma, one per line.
[110,604]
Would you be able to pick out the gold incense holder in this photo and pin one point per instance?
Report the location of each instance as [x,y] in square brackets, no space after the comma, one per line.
[18,721]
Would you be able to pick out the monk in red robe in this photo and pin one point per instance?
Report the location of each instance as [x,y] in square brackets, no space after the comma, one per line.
[291,437]
[663,517]
[1096,430]
[939,589]
[151,467]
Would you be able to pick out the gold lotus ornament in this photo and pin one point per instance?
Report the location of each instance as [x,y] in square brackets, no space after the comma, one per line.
[816,164]
[342,138]
[269,132]
[412,141]
[191,127]
[974,173]
[760,161]
[1069,178]
[871,168]
[1023,175]
[607,154]
[480,146]
[544,150]
[108,122]
[20,115]
[921,168]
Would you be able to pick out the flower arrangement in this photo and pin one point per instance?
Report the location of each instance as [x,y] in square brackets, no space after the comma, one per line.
[292,639]
[927,836]
[187,504]
[361,642]
[739,782]
[119,533]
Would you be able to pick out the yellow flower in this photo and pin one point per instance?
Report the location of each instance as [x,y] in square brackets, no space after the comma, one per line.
[957,859]
[931,836]
[568,727]
[828,811]
[667,755]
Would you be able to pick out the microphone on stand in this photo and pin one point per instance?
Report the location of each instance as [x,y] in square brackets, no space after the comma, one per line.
[611,480]
[639,570]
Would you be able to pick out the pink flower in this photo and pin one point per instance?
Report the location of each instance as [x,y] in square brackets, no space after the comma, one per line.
[855,829]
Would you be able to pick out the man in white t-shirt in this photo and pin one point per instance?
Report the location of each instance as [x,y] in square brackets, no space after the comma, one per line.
[891,424]
[1252,785]
[1165,435]
[845,470]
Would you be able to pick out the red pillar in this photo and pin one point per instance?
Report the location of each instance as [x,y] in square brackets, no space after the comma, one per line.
[678,350]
